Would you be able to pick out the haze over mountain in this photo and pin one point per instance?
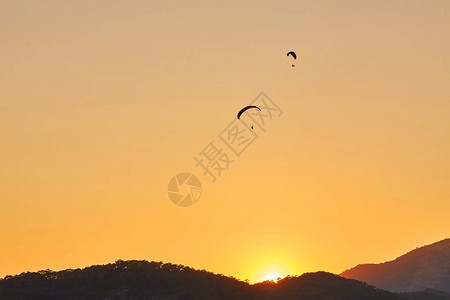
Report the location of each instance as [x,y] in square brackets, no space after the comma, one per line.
[419,269]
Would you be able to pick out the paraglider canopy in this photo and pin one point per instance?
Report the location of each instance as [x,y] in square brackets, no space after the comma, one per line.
[245,108]
[293,54]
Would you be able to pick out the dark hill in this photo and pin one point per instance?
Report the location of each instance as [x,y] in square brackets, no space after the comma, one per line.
[321,286]
[157,281]
[422,268]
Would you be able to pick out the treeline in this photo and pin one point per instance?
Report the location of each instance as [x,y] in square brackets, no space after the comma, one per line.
[165,281]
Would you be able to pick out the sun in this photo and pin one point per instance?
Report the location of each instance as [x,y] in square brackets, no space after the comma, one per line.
[271,266]
[272,277]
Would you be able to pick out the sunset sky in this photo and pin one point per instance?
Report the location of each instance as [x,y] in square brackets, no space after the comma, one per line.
[102,102]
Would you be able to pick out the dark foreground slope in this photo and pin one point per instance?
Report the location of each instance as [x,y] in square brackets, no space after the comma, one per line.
[157,281]
[425,267]
[428,294]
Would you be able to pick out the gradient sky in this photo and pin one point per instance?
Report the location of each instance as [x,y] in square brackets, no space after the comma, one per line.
[102,102]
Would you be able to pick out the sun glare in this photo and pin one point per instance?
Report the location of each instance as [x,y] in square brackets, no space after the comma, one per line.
[272,277]
[271,268]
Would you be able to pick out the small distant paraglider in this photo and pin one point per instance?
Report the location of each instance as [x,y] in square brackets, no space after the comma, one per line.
[245,109]
[292,53]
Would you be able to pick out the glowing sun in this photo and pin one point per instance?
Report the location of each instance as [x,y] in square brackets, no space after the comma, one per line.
[272,277]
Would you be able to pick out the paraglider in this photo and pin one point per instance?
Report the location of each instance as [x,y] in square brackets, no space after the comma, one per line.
[293,55]
[245,108]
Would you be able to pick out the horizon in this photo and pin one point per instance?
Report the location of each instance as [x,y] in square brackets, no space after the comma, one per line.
[268,277]
[104,103]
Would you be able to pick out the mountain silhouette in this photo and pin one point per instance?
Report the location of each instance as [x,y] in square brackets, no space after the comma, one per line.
[164,281]
[427,267]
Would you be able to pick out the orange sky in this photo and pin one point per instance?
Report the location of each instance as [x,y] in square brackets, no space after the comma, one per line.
[102,102]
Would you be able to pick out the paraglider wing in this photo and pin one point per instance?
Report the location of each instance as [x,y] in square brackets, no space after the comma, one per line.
[293,54]
[245,108]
